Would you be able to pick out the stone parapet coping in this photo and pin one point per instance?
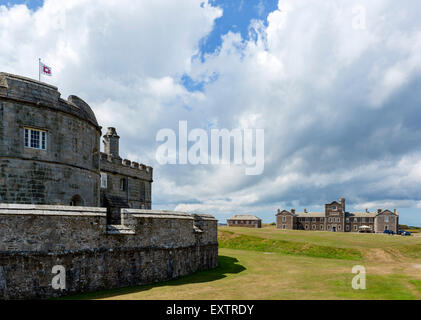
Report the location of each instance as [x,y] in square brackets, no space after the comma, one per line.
[165,214]
[50,210]
[57,210]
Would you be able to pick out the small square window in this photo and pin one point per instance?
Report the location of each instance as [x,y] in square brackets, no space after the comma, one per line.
[35,138]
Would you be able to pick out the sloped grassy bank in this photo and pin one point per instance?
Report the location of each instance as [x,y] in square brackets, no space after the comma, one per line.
[231,240]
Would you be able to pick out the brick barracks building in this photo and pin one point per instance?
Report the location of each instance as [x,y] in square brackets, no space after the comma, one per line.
[337,219]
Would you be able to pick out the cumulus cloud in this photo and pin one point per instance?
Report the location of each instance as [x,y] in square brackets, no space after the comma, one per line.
[339,104]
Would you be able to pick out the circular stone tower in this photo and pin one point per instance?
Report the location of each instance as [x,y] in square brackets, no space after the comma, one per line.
[49,147]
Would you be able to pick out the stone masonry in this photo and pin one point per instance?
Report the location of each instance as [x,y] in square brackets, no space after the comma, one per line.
[337,219]
[65,203]
[148,246]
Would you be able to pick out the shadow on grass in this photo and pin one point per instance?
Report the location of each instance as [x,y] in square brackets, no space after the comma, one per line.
[227,265]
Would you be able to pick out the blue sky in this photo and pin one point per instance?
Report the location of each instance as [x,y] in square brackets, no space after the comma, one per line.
[31,4]
[338,101]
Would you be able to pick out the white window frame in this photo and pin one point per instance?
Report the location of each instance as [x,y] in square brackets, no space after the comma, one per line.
[386,219]
[355,227]
[104,181]
[284,219]
[27,138]
[284,226]
[321,227]
[347,227]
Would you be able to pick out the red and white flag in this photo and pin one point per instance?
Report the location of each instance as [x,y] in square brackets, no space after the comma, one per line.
[44,69]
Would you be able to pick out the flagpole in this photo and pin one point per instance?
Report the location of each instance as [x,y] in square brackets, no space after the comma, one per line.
[39,69]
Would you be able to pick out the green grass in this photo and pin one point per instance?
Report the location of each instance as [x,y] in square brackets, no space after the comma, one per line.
[254,243]
[269,263]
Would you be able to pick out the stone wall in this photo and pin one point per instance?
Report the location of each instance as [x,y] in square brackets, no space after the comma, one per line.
[386,218]
[149,246]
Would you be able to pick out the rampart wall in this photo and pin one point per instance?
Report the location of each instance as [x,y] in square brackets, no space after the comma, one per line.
[148,246]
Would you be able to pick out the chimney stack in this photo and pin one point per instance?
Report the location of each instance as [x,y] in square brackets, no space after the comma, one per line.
[379,210]
[394,211]
[305,210]
[366,210]
[111,141]
[342,201]
[293,211]
[279,210]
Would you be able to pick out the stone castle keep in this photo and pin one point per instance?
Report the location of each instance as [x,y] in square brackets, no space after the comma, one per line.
[63,202]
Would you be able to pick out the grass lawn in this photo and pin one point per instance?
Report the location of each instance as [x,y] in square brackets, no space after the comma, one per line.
[269,263]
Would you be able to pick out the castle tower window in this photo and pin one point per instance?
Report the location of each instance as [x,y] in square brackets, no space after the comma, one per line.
[35,139]
[122,184]
[103,180]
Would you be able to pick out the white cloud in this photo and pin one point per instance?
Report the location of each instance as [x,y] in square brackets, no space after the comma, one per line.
[339,105]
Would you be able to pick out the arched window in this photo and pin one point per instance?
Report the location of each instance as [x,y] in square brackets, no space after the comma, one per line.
[77,201]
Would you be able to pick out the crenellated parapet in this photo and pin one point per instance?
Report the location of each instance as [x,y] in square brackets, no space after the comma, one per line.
[126,167]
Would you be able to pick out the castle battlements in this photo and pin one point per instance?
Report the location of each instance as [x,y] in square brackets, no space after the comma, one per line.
[127,164]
